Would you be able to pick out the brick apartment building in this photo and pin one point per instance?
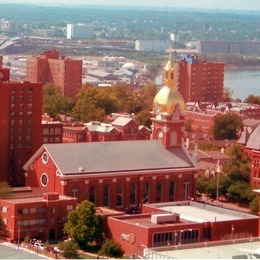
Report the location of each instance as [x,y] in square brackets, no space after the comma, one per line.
[52,131]
[61,71]
[35,213]
[20,124]
[199,80]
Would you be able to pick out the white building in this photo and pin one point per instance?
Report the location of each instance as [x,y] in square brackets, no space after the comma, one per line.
[152,45]
[79,31]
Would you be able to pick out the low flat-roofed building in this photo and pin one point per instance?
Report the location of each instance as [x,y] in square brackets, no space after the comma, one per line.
[232,249]
[191,223]
[34,212]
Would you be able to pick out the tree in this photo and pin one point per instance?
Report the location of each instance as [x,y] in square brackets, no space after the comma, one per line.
[83,225]
[5,189]
[227,94]
[253,99]
[69,249]
[111,249]
[54,102]
[94,104]
[227,126]
[144,118]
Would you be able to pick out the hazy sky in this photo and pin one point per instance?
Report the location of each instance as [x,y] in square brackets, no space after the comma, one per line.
[208,4]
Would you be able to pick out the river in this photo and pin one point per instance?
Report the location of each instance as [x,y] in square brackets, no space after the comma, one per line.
[243,83]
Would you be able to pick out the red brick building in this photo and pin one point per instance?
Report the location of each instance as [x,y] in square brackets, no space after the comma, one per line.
[20,124]
[251,143]
[61,71]
[31,212]
[120,129]
[178,224]
[52,131]
[199,80]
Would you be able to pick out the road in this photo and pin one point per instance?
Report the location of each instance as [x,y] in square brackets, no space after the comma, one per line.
[11,251]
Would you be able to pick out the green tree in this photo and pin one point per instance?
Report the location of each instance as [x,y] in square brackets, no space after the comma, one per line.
[227,126]
[69,249]
[83,225]
[54,102]
[94,104]
[111,249]
[254,205]
[5,189]
[253,99]
[144,118]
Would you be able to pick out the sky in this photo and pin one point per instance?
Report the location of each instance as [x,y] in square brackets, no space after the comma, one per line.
[251,5]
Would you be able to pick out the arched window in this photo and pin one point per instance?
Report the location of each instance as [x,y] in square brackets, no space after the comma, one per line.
[133,194]
[146,194]
[119,195]
[159,192]
[171,191]
[92,194]
[106,196]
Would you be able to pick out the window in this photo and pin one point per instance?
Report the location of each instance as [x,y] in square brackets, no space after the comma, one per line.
[159,192]
[186,190]
[146,194]
[119,197]
[69,207]
[171,191]
[45,157]
[106,196]
[133,194]
[44,179]
[5,209]
[75,192]
[92,194]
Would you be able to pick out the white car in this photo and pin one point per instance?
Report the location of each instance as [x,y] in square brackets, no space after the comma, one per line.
[39,245]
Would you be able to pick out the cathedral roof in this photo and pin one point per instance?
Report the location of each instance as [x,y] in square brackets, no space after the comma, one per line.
[112,157]
[254,140]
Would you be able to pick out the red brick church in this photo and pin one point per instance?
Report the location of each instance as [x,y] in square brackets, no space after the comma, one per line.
[123,175]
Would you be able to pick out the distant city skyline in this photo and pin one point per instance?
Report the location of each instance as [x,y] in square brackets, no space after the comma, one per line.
[202,4]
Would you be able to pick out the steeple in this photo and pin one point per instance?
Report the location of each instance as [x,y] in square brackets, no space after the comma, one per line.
[168,108]
[169,72]
[169,99]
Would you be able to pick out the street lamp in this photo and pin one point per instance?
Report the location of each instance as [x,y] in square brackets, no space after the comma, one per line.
[19,227]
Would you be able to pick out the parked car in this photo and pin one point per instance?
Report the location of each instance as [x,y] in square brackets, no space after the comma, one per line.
[39,245]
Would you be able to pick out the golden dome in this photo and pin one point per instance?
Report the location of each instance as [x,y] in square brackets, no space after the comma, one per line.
[169,98]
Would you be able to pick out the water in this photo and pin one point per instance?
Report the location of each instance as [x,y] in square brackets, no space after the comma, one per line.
[243,83]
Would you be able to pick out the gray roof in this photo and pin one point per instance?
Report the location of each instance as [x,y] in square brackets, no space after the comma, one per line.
[122,121]
[106,157]
[254,139]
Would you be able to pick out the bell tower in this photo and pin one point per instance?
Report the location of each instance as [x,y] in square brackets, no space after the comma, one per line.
[168,109]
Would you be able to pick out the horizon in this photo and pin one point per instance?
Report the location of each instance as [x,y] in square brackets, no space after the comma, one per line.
[249,5]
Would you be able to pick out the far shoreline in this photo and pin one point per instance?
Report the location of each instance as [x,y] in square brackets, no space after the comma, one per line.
[229,67]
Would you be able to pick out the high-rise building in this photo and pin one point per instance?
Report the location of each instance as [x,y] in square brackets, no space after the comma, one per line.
[199,80]
[61,71]
[79,31]
[20,126]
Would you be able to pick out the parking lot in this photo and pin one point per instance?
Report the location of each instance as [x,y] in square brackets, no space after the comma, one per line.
[11,251]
